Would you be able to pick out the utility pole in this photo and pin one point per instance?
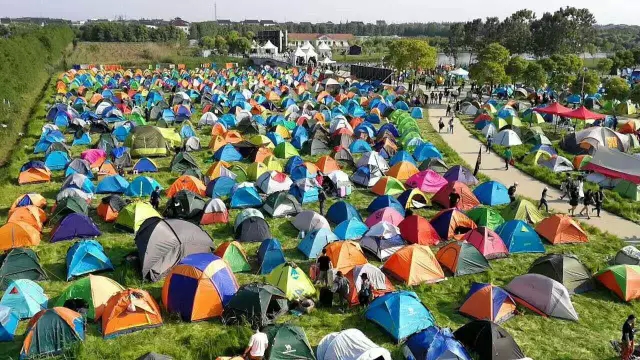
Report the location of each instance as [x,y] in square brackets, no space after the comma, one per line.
[215,12]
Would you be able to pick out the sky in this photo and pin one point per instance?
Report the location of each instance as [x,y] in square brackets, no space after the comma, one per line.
[392,11]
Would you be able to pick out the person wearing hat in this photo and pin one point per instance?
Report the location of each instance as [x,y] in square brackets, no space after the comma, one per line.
[628,334]
[366,290]
[543,199]
[512,191]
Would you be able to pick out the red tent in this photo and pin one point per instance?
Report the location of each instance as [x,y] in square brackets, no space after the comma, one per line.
[583,114]
[553,109]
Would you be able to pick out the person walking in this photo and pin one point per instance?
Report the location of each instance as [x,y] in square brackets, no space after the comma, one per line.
[508,157]
[543,199]
[574,199]
[454,198]
[366,290]
[322,197]
[258,344]
[448,113]
[440,95]
[628,335]
[564,187]
[580,186]
[451,125]
[489,143]
[440,125]
[155,198]
[341,287]
[324,265]
[587,201]
[598,200]
[512,191]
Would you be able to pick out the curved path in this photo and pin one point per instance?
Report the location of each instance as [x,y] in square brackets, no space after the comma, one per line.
[465,144]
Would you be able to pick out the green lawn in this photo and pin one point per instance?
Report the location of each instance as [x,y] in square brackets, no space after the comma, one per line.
[613,203]
[600,313]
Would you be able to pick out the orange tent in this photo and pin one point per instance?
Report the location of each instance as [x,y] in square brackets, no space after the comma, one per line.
[187,182]
[452,224]
[106,169]
[322,95]
[217,142]
[345,255]
[217,169]
[262,154]
[28,199]
[488,302]
[467,199]
[561,229]
[327,164]
[233,137]
[355,282]
[18,234]
[129,310]
[355,122]
[413,265]
[218,129]
[34,176]
[417,230]
[31,215]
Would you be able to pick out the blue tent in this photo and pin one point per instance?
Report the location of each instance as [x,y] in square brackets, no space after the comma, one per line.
[386,201]
[351,229]
[426,151]
[186,131]
[57,160]
[416,113]
[313,243]
[80,182]
[270,255]
[114,184]
[86,257]
[47,139]
[304,194]
[401,105]
[574,99]
[220,186]
[520,237]
[227,153]
[145,165]
[74,226]
[228,120]
[492,193]
[434,344]
[142,186]
[275,138]
[8,323]
[301,172]
[364,128]
[84,139]
[168,115]
[359,147]
[400,314]
[372,118]
[121,133]
[245,197]
[341,211]
[402,155]
[390,128]
[293,163]
[25,298]
[299,140]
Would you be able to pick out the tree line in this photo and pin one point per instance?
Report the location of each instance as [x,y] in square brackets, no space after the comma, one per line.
[128,32]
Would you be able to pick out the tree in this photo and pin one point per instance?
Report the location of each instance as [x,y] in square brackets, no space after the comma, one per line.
[456,41]
[473,39]
[241,45]
[405,54]
[494,53]
[587,83]
[491,73]
[566,31]
[515,32]
[516,68]
[208,42]
[535,75]
[548,65]
[221,45]
[616,89]
[604,66]
[634,95]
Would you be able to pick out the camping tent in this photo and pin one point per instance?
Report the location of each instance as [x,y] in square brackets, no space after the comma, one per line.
[542,295]
[488,340]
[91,292]
[75,226]
[519,237]
[434,343]
[309,220]
[270,255]
[132,216]
[414,264]
[622,280]
[51,332]
[452,223]
[486,216]
[488,302]
[86,256]
[350,344]
[492,193]
[233,253]
[524,210]
[561,229]
[400,314]
[257,304]
[20,263]
[314,241]
[565,269]
[488,243]
[462,258]
[289,278]
[128,311]
[25,298]
[287,339]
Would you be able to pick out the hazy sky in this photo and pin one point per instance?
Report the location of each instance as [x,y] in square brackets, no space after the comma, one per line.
[606,11]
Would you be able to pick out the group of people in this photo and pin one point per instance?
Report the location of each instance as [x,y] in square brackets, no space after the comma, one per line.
[441,125]
[340,286]
[574,191]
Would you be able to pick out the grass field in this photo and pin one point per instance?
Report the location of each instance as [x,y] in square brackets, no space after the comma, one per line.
[613,203]
[601,314]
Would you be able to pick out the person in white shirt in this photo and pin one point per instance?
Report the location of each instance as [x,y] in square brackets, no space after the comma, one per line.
[258,345]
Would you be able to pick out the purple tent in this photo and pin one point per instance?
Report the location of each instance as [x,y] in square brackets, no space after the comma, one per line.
[74,226]
[462,174]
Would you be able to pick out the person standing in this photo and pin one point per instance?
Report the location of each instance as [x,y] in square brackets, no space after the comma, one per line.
[574,199]
[440,95]
[366,290]
[543,199]
[489,143]
[448,113]
[321,199]
[324,265]
[564,187]
[440,125]
[341,287]
[454,198]
[598,200]
[258,345]
[580,186]
[512,191]
[155,198]
[508,157]
[587,201]
[628,335]
[451,125]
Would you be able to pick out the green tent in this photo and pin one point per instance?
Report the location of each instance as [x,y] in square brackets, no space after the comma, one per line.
[239,172]
[94,292]
[133,215]
[68,206]
[234,255]
[628,190]
[533,118]
[20,263]
[258,304]
[287,342]
[500,123]
[185,205]
[486,216]
[146,141]
[522,210]
[514,121]
[182,162]
[626,108]
[52,332]
[285,150]
[280,204]
[462,258]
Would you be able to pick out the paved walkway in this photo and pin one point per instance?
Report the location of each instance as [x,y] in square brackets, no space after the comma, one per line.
[465,144]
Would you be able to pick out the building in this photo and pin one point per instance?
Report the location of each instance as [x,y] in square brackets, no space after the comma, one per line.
[267,23]
[339,41]
[224,22]
[276,37]
[251,22]
[181,24]
[381,23]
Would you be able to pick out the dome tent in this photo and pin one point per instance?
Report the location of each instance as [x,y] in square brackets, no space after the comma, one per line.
[542,295]
[400,314]
[350,344]
[20,263]
[285,339]
[289,278]
[565,269]
[163,243]
[233,253]
[128,311]
[25,298]
[91,292]
[259,304]
[86,256]
[62,327]
[488,340]
[434,343]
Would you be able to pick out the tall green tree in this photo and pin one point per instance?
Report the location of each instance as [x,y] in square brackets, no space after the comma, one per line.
[490,68]
[634,94]
[494,53]
[604,66]
[515,32]
[535,75]
[411,54]
[586,83]
[516,68]
[616,89]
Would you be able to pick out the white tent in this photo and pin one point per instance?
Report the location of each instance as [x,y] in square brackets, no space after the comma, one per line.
[459,72]
[269,48]
[330,82]
[374,158]
[490,129]
[507,138]
[306,46]
[350,344]
[310,53]
[327,61]
[324,47]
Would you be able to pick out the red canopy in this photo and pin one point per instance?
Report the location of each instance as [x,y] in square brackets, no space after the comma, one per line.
[553,109]
[583,114]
